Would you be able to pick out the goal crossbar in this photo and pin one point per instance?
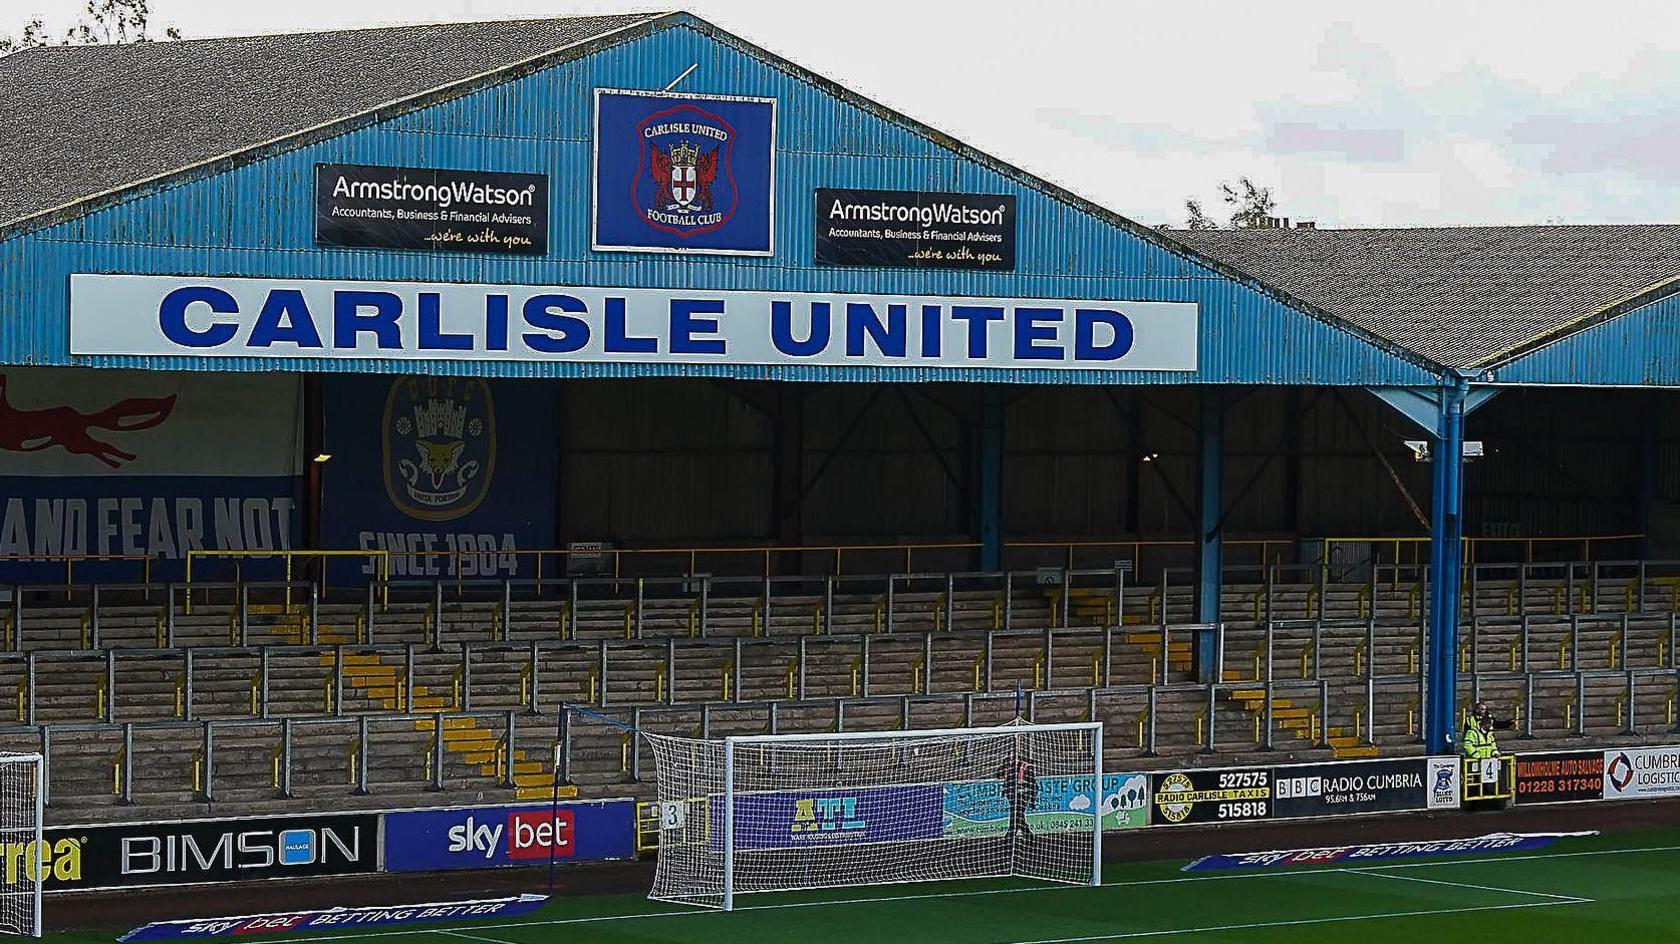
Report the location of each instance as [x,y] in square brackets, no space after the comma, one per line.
[912,734]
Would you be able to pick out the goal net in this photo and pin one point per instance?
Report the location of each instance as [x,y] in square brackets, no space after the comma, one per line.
[785,812]
[20,840]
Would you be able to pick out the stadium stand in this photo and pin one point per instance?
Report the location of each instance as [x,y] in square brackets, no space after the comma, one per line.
[246,701]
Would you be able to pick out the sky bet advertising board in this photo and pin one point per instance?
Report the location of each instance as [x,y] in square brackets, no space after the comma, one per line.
[176,316]
[684,173]
[488,837]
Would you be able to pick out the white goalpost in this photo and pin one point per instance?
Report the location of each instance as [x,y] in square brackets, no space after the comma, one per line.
[21,799]
[784,812]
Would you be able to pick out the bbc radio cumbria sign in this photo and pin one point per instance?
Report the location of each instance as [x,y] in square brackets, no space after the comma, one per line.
[175,316]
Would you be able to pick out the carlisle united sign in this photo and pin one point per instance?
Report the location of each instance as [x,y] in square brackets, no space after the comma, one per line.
[179,316]
[684,173]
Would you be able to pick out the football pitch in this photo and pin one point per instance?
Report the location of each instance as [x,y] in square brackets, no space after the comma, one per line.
[1622,886]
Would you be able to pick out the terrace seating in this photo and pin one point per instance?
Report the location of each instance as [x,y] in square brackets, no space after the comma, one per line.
[412,688]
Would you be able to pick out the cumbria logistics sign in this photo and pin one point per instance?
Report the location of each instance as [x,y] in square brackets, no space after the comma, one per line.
[176,316]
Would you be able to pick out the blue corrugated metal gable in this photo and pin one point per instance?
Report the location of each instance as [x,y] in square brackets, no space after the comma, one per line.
[1639,347]
[257,220]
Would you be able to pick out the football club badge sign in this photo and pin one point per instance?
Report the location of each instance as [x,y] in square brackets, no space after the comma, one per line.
[439,450]
[684,173]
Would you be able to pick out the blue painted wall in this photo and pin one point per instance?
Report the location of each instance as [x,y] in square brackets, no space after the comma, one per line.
[257,220]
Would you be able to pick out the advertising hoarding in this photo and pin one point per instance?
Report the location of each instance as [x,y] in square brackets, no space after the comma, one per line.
[377,207]
[202,851]
[1560,776]
[1640,772]
[1063,804]
[486,837]
[915,229]
[1211,796]
[840,816]
[1367,786]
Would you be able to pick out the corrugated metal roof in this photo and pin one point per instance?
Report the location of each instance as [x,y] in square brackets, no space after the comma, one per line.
[83,120]
[1462,296]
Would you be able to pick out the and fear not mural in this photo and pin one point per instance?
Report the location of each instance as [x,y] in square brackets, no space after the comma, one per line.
[127,466]
[439,476]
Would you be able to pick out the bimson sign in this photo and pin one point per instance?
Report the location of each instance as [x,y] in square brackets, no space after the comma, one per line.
[175,316]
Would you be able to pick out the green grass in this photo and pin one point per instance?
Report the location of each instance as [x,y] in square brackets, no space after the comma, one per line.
[1620,887]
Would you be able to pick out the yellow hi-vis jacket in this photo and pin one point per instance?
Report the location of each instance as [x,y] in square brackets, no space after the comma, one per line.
[1479,743]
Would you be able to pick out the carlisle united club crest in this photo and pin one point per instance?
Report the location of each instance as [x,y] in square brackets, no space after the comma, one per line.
[439,446]
[685,184]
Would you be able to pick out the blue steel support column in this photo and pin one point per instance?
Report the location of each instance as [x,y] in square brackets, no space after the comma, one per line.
[1210,537]
[1446,548]
[1650,467]
[991,477]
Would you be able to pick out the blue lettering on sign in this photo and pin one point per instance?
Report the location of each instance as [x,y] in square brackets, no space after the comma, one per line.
[1033,326]
[285,317]
[687,323]
[889,337]
[350,320]
[172,316]
[619,340]
[977,316]
[556,313]
[631,325]
[432,335]
[495,322]
[781,330]
[1085,346]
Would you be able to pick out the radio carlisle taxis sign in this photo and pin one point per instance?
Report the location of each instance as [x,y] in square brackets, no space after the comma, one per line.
[1211,796]
[684,173]
[915,229]
[184,316]
[430,208]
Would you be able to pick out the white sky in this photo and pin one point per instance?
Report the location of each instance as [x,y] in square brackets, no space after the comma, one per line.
[1415,113]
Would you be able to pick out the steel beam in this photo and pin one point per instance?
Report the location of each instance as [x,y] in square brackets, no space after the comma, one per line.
[1446,548]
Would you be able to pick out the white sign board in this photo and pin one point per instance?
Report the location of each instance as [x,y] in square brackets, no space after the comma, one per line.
[183,316]
[1637,772]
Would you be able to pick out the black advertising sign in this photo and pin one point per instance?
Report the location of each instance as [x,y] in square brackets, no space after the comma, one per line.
[431,208]
[1560,777]
[1211,796]
[1377,786]
[194,852]
[915,229]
